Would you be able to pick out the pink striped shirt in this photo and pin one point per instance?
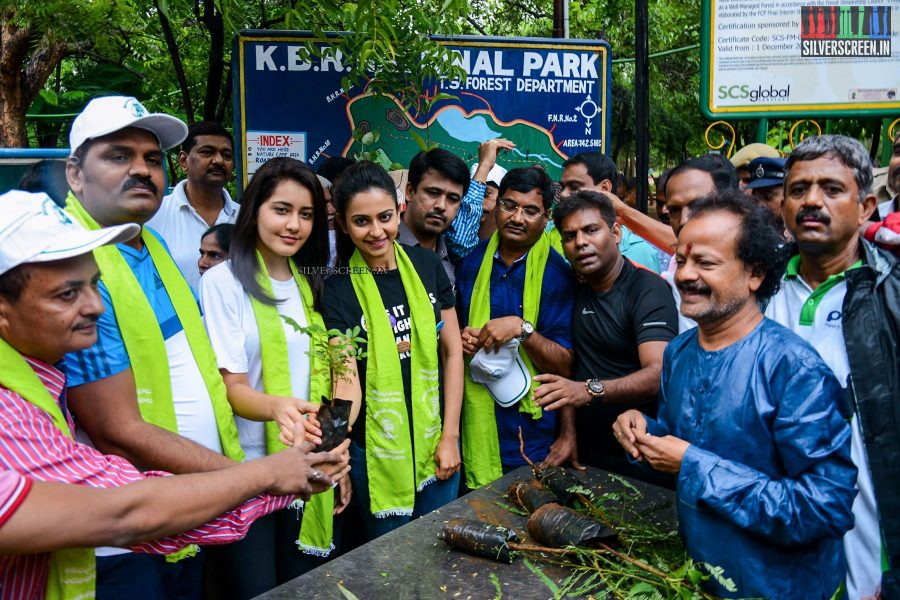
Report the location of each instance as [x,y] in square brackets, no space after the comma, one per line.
[32,445]
[13,490]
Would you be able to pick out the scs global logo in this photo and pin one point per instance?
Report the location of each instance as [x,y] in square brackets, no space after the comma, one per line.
[757,94]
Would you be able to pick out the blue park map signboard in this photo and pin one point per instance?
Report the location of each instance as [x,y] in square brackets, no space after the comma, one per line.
[550,97]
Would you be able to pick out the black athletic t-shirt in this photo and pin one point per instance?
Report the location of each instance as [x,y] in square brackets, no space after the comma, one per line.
[607,328]
[343,311]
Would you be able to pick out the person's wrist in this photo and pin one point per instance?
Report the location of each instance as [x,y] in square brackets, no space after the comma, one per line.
[586,396]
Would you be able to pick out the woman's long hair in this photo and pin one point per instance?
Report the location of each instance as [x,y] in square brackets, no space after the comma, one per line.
[311,259]
[359,177]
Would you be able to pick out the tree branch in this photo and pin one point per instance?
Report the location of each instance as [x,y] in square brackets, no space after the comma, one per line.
[42,63]
[172,46]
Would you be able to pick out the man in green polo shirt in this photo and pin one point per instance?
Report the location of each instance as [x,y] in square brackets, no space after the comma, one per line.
[842,295]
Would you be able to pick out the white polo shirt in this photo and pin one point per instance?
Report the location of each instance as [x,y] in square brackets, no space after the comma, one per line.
[887,207]
[684,323]
[182,227]
[817,317]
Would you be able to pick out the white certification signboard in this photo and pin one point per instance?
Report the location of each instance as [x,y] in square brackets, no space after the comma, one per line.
[800,58]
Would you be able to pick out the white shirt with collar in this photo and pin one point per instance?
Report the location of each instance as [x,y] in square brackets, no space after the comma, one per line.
[888,206]
[182,227]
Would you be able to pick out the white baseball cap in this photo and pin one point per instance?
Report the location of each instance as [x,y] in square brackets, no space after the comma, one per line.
[34,229]
[108,114]
[503,373]
[495,175]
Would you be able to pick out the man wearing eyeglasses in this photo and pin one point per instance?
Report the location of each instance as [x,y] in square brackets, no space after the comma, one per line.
[515,297]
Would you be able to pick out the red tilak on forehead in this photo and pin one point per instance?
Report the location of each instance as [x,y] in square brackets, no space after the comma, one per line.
[687,251]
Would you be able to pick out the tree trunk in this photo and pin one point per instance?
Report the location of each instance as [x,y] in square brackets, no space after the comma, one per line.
[13,51]
[22,76]
[224,98]
[214,23]
[175,54]
[876,140]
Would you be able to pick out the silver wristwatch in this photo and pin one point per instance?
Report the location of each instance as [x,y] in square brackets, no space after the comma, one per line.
[527,330]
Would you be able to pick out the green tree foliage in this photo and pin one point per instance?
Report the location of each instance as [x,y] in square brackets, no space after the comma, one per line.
[676,126]
[175,54]
[35,36]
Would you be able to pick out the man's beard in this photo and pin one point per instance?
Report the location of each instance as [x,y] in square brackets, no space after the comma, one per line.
[717,310]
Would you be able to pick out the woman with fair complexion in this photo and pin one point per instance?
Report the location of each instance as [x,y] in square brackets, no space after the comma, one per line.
[405,459]
[253,304]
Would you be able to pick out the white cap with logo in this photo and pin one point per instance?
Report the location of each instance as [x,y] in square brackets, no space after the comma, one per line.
[34,229]
[503,373]
[109,114]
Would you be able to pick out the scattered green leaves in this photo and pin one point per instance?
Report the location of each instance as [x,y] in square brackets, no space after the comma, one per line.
[496,581]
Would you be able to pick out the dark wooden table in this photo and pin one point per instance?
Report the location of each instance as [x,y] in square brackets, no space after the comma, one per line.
[411,562]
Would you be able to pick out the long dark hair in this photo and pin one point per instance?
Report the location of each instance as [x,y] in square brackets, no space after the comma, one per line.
[360,177]
[311,259]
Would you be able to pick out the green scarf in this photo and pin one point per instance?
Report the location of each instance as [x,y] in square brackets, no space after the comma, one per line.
[144,342]
[556,241]
[72,571]
[316,530]
[391,456]
[480,443]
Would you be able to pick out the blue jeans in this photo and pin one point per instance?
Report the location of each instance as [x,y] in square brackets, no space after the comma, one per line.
[434,496]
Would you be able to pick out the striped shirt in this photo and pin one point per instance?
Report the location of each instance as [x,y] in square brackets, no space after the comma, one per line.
[13,490]
[32,445]
[462,235]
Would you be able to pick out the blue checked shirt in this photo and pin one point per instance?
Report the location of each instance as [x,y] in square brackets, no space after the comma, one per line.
[554,322]
[462,235]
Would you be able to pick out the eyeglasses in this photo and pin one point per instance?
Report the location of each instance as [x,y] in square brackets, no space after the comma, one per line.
[530,213]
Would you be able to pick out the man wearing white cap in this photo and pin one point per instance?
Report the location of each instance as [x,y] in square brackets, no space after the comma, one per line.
[49,305]
[149,389]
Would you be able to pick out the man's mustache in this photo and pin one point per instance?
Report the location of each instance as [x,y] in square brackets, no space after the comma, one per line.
[693,288]
[814,214]
[146,182]
[87,322]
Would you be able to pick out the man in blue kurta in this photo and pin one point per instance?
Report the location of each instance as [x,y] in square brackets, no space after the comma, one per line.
[749,419]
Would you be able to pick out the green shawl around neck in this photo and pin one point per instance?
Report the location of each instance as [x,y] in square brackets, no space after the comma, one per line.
[144,342]
[316,529]
[72,571]
[398,466]
[480,442]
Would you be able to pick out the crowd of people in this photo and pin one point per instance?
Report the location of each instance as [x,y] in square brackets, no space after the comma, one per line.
[740,348]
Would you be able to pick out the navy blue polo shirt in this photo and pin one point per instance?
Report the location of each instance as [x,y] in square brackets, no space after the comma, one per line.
[554,322]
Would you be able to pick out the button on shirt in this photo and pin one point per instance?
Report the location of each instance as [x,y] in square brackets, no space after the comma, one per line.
[181,227]
[31,444]
[817,317]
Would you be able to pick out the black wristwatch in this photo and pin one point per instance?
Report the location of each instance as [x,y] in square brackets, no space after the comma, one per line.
[595,388]
[527,330]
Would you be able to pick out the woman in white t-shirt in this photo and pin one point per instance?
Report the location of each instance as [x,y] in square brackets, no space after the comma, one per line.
[257,307]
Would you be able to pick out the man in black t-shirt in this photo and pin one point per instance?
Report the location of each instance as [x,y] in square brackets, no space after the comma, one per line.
[623,319]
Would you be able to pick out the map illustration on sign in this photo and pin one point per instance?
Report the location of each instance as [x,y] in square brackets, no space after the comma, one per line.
[548,98]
